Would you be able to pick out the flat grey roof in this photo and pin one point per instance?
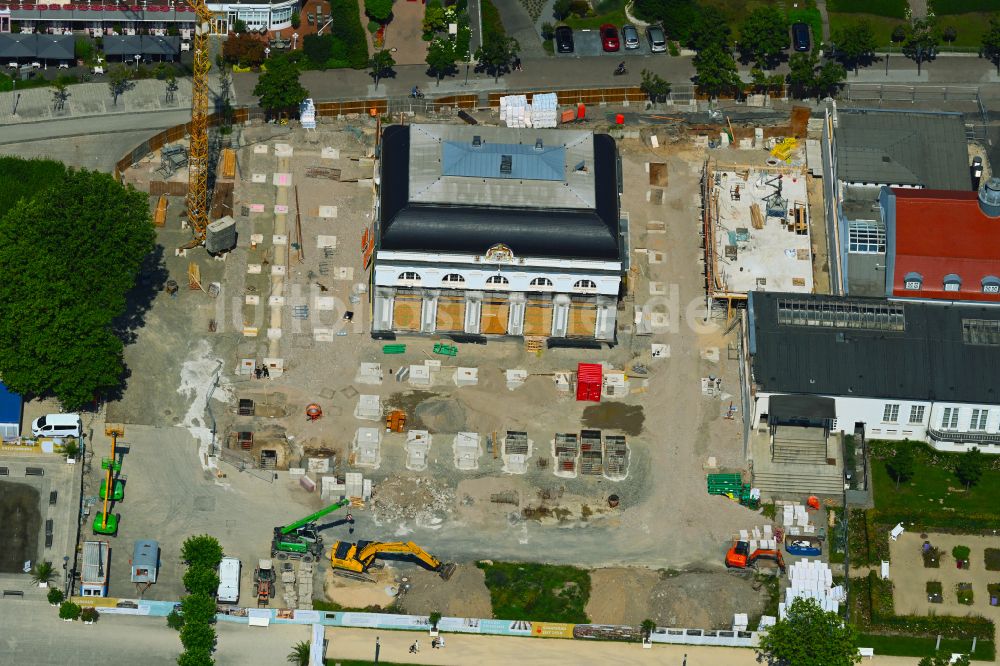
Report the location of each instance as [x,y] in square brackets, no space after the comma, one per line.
[902,148]
[443,173]
[868,347]
[95,562]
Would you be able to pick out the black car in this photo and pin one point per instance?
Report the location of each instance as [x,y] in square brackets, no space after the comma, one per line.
[800,37]
[564,39]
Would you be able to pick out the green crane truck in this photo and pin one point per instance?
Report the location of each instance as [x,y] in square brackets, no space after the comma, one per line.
[301,539]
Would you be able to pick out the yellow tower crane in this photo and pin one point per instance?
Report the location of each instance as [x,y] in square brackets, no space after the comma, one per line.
[197,194]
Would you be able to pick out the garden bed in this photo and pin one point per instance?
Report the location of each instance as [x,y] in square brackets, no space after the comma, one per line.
[964,593]
[991,557]
[935,592]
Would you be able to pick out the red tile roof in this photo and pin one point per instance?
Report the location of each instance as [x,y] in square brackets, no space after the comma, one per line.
[940,232]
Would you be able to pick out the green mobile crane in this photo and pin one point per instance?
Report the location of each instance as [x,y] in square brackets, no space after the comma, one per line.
[301,539]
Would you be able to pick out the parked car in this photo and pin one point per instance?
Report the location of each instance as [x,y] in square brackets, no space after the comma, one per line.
[609,38]
[657,39]
[564,39]
[800,37]
[630,36]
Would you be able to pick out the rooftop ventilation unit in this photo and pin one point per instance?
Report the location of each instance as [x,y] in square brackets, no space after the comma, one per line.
[477,141]
[506,164]
[539,145]
[989,197]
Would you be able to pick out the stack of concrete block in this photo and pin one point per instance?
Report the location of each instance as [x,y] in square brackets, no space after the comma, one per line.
[354,484]
[420,375]
[367,447]
[515,111]
[369,408]
[369,373]
[544,110]
[332,488]
[466,376]
[467,451]
[516,379]
[304,582]
[812,580]
[418,445]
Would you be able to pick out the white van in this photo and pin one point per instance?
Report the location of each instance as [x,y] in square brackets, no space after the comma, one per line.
[229,580]
[57,425]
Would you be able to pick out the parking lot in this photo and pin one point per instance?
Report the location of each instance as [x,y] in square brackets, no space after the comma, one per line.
[588,43]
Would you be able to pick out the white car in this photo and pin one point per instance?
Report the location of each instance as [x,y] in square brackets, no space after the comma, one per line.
[657,39]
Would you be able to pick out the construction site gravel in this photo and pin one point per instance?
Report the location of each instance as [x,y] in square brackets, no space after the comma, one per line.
[187,357]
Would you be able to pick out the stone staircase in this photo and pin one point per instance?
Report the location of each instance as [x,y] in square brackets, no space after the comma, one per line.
[795,480]
[797,462]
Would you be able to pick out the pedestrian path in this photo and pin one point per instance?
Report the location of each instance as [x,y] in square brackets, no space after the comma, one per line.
[918,8]
[825,17]
[519,25]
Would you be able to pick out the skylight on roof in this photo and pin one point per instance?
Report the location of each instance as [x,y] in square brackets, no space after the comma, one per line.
[842,314]
[866,236]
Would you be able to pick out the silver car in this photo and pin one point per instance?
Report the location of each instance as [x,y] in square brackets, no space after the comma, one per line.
[657,40]
[630,36]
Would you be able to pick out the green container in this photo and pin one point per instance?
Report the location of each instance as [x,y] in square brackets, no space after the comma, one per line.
[393,349]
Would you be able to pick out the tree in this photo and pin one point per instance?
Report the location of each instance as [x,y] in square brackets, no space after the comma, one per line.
[381,64]
[244,50]
[855,43]
[654,86]
[807,77]
[69,611]
[72,347]
[949,34]
[89,614]
[434,20]
[829,78]
[647,628]
[898,34]
[119,80]
[299,654]
[60,94]
[198,636]
[764,82]
[548,31]
[970,467]
[678,17]
[560,10]
[199,579]
[296,19]
[943,658]
[433,619]
[921,42]
[196,658]
[809,636]
[710,28]
[991,42]
[83,49]
[198,609]
[202,551]
[55,596]
[71,448]
[716,71]
[763,36]
[496,54]
[441,57]
[43,573]
[900,465]
[318,49]
[380,10]
[171,87]
[278,88]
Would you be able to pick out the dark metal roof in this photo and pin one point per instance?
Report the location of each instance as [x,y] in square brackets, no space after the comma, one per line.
[130,45]
[791,407]
[56,47]
[539,231]
[17,45]
[902,148]
[927,360]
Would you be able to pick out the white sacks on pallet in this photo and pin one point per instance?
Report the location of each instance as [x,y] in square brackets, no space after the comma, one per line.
[545,110]
[515,111]
[307,114]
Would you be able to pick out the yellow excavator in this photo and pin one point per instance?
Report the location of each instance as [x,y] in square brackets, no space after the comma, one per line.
[353,560]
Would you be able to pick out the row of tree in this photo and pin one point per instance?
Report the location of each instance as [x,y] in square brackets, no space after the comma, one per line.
[196,618]
[902,465]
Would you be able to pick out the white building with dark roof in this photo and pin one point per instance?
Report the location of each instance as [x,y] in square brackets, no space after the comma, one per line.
[488,231]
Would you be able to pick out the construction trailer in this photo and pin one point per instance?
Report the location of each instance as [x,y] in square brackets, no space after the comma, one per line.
[589,379]
[145,563]
[96,567]
[11,407]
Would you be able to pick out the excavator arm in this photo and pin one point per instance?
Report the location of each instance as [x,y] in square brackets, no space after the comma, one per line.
[314,517]
[359,557]
[374,549]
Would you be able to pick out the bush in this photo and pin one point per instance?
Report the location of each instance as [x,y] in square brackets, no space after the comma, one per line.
[83,48]
[961,553]
[579,8]
[69,611]
[348,31]
[931,557]
[492,25]
[296,19]
[964,593]
[55,596]
[993,589]
[89,614]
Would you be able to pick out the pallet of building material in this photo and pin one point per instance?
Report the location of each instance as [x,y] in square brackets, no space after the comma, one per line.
[445,350]
[756,217]
[591,454]
[394,349]
[565,451]
[615,457]
[160,216]
[228,160]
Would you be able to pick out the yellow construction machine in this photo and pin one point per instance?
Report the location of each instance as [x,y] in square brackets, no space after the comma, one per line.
[353,560]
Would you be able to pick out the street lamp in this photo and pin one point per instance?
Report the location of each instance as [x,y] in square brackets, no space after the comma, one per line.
[295,40]
[137,59]
[267,51]
[378,646]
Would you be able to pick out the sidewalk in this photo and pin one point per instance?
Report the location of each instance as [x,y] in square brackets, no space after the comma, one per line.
[94,99]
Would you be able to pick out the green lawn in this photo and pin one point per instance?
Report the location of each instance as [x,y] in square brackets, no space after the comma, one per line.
[928,490]
[881,26]
[615,16]
[942,7]
[970,28]
[541,592]
[908,646]
[890,8]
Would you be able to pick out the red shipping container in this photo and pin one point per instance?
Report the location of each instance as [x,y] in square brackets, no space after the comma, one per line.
[589,378]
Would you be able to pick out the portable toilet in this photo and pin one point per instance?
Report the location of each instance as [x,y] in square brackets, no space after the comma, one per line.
[145,562]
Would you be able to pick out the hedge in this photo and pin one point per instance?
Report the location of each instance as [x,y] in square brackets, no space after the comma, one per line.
[949,522]
[868,540]
[492,23]
[942,7]
[889,8]
[872,611]
[345,45]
